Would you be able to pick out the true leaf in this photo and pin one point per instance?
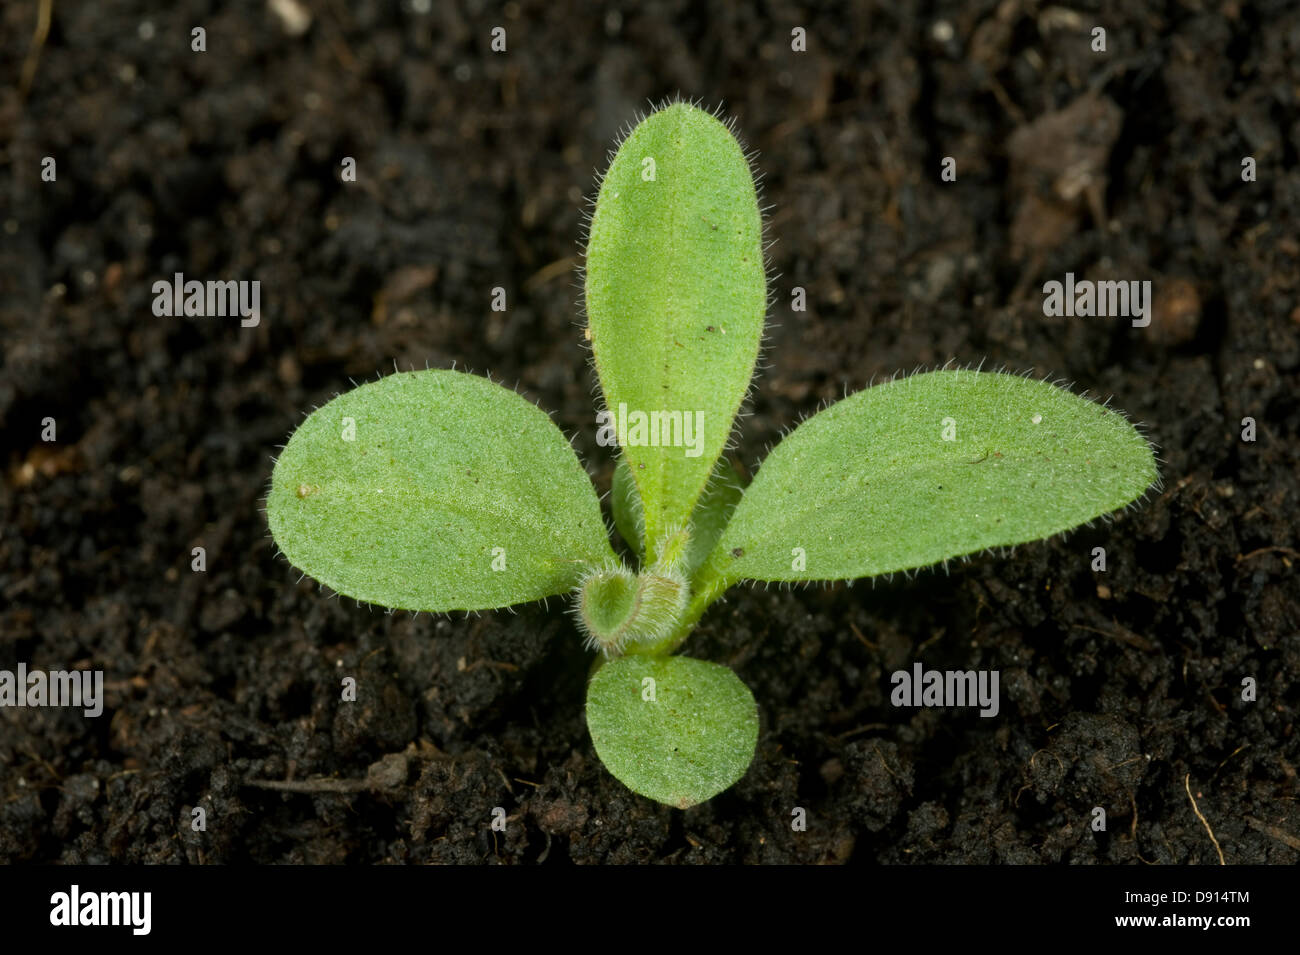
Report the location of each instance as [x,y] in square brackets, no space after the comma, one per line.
[927,468]
[625,502]
[712,513]
[676,293]
[674,729]
[435,490]
[710,516]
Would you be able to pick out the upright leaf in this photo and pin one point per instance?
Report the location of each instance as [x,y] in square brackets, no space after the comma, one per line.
[676,294]
[625,502]
[435,490]
[710,516]
[926,468]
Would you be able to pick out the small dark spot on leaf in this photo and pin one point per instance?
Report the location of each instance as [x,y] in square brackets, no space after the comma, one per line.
[710,329]
[737,552]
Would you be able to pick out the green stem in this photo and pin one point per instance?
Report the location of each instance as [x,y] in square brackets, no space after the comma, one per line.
[705,592]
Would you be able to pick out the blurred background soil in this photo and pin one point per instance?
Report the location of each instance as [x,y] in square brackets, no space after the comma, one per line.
[1119,689]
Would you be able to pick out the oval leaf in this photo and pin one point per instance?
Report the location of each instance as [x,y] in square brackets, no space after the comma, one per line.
[435,490]
[676,294]
[676,730]
[926,468]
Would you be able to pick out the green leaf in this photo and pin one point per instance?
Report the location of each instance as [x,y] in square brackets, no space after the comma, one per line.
[680,738]
[616,609]
[712,514]
[436,490]
[676,294]
[625,502]
[872,484]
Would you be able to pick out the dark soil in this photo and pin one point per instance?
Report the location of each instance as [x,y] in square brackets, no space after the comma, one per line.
[1121,689]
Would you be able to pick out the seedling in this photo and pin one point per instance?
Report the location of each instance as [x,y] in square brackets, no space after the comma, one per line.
[443,491]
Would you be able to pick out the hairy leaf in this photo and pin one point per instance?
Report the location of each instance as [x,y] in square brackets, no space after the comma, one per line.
[676,294]
[435,490]
[926,468]
[712,513]
[674,729]
[617,609]
[710,516]
[625,502]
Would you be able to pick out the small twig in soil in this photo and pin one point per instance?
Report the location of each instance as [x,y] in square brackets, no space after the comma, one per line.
[48,768]
[1268,550]
[885,764]
[1209,696]
[1187,783]
[39,37]
[1230,755]
[1178,487]
[464,667]
[1122,634]
[510,789]
[1008,105]
[388,772]
[865,728]
[547,272]
[1059,763]
[1133,829]
[858,633]
[938,635]
[1281,835]
[311,785]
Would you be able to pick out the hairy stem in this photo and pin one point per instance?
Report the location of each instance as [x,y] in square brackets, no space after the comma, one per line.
[706,592]
[619,610]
